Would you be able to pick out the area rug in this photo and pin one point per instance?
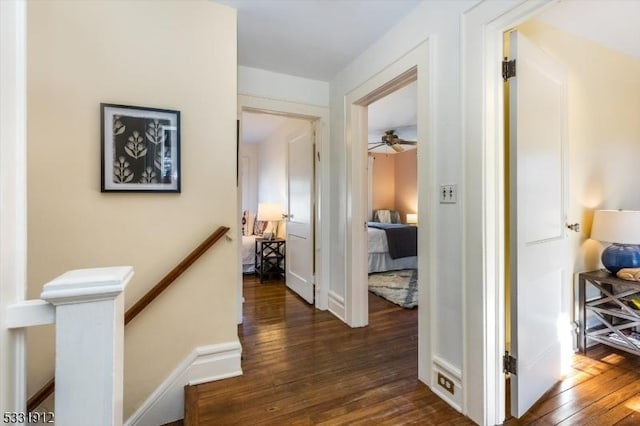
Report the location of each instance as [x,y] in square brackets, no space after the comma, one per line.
[399,287]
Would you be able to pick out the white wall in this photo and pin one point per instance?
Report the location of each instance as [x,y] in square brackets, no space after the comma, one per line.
[272,168]
[250,152]
[440,23]
[272,85]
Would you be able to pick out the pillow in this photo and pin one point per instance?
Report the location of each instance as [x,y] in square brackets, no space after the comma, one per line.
[395,217]
[259,227]
[247,223]
[382,216]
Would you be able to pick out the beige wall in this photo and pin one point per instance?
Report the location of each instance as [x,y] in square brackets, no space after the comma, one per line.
[603,129]
[172,54]
[395,182]
[406,174]
[383,182]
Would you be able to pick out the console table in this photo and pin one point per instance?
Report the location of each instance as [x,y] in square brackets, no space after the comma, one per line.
[618,319]
[270,257]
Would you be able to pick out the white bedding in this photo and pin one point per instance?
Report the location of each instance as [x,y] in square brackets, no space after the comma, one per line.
[248,254]
[379,259]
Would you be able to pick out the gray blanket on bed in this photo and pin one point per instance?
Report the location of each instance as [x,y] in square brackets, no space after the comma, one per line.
[402,239]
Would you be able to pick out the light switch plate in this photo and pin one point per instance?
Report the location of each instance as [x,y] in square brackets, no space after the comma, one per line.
[449,194]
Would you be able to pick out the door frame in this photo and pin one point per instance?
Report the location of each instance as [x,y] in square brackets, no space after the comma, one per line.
[13,188]
[319,117]
[482,129]
[414,65]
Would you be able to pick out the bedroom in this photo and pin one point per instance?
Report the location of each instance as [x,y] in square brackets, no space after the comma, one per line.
[392,196]
[263,177]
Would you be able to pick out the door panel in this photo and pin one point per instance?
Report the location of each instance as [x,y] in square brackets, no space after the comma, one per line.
[537,113]
[300,241]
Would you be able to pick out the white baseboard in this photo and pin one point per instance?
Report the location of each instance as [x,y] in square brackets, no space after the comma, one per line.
[336,305]
[204,364]
[452,373]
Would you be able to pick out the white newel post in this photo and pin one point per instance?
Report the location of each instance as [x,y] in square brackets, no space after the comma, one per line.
[89,344]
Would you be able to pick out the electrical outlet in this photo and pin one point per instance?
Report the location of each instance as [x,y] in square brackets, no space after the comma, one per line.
[449,194]
[446,383]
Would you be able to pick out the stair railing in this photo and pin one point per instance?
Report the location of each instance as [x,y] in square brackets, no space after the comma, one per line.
[64,302]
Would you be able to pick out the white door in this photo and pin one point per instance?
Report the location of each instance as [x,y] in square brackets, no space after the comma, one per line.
[538,194]
[300,243]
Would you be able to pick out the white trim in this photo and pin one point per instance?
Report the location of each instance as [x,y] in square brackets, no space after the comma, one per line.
[455,375]
[320,116]
[420,62]
[202,365]
[336,305]
[29,313]
[87,285]
[483,248]
[13,192]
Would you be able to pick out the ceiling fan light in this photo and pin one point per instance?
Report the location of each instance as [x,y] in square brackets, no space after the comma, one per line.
[397,147]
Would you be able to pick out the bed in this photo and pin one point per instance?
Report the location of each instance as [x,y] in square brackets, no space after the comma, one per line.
[248,254]
[403,254]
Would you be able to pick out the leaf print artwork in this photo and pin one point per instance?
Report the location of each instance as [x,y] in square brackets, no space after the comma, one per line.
[155,132]
[135,147]
[118,127]
[148,176]
[121,171]
[141,149]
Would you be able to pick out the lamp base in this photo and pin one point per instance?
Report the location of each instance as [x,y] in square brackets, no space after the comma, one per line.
[618,256]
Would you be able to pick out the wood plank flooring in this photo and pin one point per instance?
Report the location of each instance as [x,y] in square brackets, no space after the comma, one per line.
[304,367]
[602,388]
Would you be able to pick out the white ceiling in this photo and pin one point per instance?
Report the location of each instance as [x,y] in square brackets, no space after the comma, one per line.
[395,111]
[317,38]
[311,38]
[257,127]
[612,23]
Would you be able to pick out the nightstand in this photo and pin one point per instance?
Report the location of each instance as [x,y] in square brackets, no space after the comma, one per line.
[617,320]
[270,258]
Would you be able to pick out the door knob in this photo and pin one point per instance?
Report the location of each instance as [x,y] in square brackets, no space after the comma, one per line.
[575,227]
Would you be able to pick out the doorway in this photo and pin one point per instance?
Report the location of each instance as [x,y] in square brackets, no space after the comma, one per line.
[412,66]
[280,112]
[392,225]
[485,251]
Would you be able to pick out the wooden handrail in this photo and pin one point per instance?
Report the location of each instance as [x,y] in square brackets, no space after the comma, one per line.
[39,397]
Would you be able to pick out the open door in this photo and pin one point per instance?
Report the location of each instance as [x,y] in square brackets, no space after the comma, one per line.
[300,241]
[538,240]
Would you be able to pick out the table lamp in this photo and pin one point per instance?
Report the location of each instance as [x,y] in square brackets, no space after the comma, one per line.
[272,213]
[412,218]
[621,228]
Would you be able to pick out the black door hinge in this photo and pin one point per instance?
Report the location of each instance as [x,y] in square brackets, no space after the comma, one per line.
[508,69]
[509,364]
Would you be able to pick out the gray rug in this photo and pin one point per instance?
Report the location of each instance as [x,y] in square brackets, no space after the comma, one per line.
[399,287]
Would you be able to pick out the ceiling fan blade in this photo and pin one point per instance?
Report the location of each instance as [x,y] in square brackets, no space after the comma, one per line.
[397,148]
[376,146]
[403,142]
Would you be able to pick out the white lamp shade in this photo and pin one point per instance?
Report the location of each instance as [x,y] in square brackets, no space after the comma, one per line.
[616,226]
[412,218]
[269,212]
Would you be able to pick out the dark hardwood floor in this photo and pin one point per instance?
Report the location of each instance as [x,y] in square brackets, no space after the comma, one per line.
[602,388]
[305,367]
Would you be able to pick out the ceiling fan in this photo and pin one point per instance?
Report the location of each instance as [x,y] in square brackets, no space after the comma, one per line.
[391,140]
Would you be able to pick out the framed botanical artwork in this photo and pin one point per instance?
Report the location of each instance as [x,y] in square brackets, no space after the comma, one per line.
[140,149]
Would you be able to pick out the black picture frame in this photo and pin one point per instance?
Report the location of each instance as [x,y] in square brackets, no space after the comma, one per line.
[140,149]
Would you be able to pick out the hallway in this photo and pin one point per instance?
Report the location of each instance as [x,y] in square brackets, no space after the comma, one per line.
[303,366]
